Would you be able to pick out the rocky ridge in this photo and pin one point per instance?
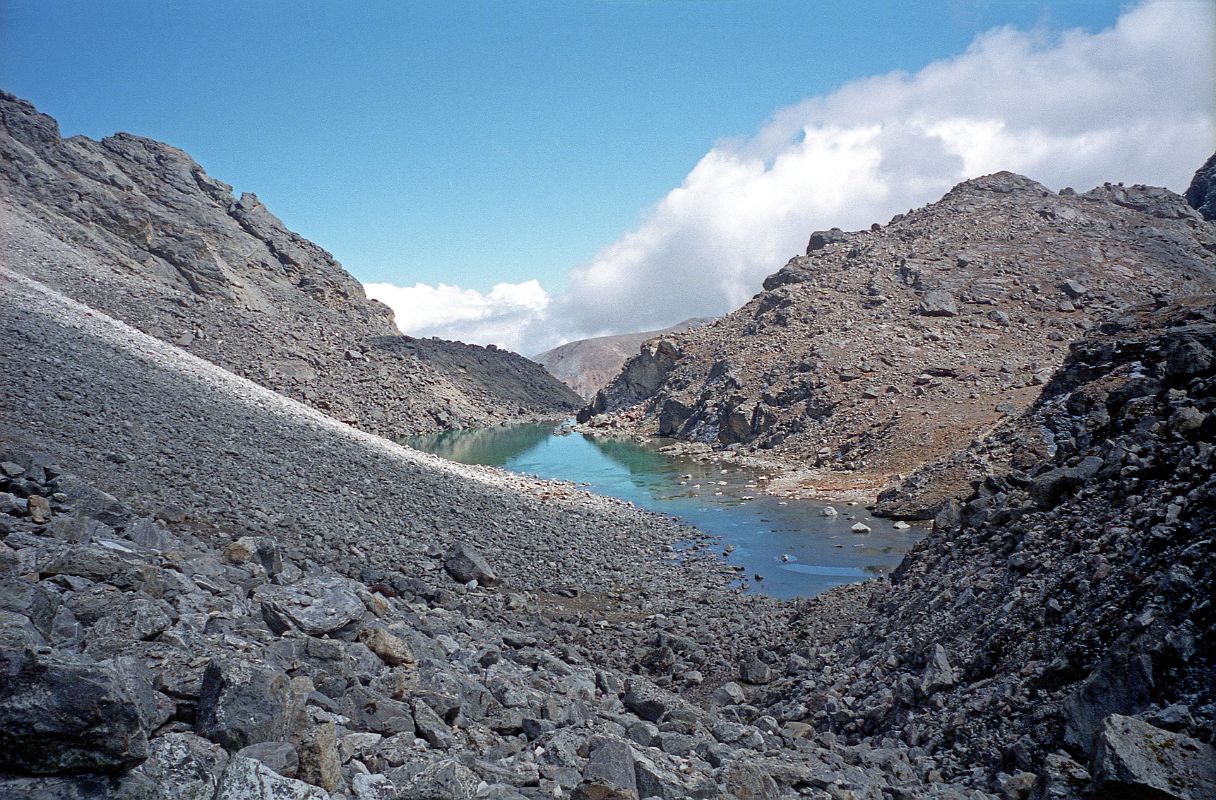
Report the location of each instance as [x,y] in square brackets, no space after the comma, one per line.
[880,351]
[1062,597]
[174,253]
[587,365]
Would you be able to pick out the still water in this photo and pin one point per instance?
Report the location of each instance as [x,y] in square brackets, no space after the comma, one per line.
[798,551]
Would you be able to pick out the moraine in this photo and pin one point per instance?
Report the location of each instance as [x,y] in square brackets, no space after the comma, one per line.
[797,550]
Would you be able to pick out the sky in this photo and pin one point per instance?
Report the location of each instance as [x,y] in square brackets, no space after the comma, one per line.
[527,173]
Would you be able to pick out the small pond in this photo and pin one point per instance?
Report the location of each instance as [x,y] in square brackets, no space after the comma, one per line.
[798,551]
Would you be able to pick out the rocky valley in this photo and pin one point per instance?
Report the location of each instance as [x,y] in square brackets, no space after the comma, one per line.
[221,577]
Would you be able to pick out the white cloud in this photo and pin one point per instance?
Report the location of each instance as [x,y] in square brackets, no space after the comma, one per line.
[1133,103]
[449,312]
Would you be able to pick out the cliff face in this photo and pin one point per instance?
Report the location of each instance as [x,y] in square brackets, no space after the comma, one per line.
[170,251]
[882,350]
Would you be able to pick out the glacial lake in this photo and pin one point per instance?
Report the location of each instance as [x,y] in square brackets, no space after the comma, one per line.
[798,551]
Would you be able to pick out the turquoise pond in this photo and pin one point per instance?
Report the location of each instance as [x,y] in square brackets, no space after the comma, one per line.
[798,551]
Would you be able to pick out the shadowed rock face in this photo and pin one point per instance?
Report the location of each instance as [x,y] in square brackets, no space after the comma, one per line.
[1202,192]
[882,350]
[179,257]
[1067,590]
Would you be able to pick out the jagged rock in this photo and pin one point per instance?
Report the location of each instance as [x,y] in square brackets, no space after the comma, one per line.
[242,703]
[1134,759]
[443,780]
[756,672]
[184,766]
[322,606]
[466,564]
[246,779]
[282,757]
[609,774]
[938,303]
[1201,194]
[61,712]
[391,649]
[317,752]
[743,781]
[1122,683]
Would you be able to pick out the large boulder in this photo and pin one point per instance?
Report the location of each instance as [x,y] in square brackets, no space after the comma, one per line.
[1201,195]
[242,703]
[1135,759]
[609,774]
[246,779]
[185,766]
[326,605]
[61,712]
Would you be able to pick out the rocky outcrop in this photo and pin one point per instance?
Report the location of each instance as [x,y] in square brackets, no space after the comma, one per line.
[884,350]
[587,365]
[642,376]
[169,250]
[1201,194]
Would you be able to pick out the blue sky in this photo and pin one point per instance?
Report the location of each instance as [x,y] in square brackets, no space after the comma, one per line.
[529,173]
[467,143]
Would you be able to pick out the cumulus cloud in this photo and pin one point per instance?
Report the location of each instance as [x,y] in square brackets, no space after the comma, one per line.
[1132,103]
[449,312]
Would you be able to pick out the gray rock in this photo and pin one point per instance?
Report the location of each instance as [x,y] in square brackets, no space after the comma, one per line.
[61,712]
[756,672]
[465,564]
[938,303]
[184,766]
[443,780]
[247,779]
[242,703]
[281,757]
[327,605]
[609,774]
[1134,759]
[1122,683]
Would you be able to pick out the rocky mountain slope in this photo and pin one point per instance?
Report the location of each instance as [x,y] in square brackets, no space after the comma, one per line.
[264,603]
[1063,597]
[172,252]
[587,365]
[880,351]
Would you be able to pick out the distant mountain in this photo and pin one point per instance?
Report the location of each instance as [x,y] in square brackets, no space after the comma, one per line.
[586,365]
[168,249]
[882,350]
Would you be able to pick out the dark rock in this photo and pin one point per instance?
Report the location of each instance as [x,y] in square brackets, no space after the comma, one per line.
[242,703]
[938,303]
[62,713]
[322,606]
[184,766]
[609,774]
[465,564]
[1133,759]
[1201,194]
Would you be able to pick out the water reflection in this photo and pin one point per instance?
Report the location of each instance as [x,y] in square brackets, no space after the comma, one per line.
[797,550]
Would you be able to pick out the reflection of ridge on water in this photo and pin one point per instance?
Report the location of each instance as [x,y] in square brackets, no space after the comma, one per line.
[636,459]
[489,446]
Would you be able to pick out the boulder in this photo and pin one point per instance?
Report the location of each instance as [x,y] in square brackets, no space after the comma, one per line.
[184,766]
[938,303]
[61,712]
[1135,759]
[326,605]
[246,779]
[242,703]
[609,774]
[465,564]
[443,780]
